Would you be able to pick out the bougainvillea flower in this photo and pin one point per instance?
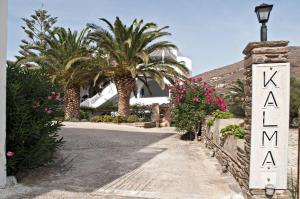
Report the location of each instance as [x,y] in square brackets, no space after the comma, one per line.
[10,154]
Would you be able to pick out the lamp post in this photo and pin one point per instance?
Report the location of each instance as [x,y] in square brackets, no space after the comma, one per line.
[263,13]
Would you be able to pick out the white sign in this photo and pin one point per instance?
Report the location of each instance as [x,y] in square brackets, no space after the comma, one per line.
[270,125]
[3,26]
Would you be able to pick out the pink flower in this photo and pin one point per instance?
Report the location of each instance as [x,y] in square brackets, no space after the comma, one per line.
[58,98]
[199,78]
[49,97]
[195,99]
[48,110]
[114,63]
[53,93]
[221,103]
[10,154]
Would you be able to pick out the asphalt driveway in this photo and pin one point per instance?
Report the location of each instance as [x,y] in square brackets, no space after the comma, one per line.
[121,162]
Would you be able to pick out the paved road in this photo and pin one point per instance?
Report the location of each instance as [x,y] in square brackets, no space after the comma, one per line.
[119,162]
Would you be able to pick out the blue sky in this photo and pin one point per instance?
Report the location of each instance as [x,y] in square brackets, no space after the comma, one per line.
[212,33]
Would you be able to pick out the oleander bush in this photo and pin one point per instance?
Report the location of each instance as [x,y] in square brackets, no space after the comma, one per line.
[192,100]
[32,106]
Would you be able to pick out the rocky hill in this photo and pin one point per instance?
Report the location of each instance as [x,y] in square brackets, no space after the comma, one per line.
[225,75]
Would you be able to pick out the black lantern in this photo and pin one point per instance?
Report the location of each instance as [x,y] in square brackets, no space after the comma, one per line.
[263,13]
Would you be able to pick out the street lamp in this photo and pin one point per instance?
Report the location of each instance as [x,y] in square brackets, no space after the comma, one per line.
[263,13]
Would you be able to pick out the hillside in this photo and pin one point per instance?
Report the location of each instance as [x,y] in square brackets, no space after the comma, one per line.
[227,74]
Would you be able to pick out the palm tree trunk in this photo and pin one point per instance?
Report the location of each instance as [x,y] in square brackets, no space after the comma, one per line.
[124,88]
[72,102]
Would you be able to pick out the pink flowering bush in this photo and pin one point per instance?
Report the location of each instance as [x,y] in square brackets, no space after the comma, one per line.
[32,107]
[192,100]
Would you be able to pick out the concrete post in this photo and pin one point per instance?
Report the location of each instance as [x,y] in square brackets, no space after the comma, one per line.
[259,53]
[3,33]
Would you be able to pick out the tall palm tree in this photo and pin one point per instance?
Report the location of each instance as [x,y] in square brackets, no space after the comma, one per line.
[68,56]
[128,51]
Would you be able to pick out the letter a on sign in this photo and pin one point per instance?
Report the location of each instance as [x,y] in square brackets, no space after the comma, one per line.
[269,159]
[270,101]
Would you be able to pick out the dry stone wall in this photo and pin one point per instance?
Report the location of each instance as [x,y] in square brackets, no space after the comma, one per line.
[231,155]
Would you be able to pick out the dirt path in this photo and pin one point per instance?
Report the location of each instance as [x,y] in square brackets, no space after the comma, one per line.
[120,162]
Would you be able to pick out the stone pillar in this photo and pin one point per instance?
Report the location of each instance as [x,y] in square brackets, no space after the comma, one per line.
[259,53]
[3,32]
[155,117]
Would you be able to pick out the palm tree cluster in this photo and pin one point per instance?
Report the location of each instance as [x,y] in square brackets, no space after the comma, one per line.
[119,53]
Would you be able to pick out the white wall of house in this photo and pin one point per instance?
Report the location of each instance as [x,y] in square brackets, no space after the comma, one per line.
[159,96]
[3,32]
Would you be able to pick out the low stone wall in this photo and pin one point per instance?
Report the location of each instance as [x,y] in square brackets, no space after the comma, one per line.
[230,152]
[232,156]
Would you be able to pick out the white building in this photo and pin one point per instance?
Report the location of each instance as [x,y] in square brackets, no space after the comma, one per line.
[109,93]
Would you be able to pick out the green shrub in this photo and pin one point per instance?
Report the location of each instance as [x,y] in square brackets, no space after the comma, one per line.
[83,114]
[107,118]
[132,119]
[233,129]
[32,105]
[221,114]
[210,122]
[295,98]
[119,119]
[114,119]
[96,118]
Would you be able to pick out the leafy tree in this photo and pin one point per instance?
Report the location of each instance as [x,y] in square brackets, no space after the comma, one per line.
[128,51]
[294,98]
[37,27]
[236,99]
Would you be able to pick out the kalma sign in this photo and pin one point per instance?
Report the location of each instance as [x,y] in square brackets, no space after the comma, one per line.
[270,125]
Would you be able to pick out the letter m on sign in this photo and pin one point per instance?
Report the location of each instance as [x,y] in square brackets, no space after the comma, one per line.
[265,137]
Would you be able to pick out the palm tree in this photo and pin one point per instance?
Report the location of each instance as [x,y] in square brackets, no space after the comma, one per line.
[128,52]
[236,98]
[69,54]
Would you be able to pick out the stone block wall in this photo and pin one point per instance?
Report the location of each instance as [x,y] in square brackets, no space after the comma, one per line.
[232,159]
